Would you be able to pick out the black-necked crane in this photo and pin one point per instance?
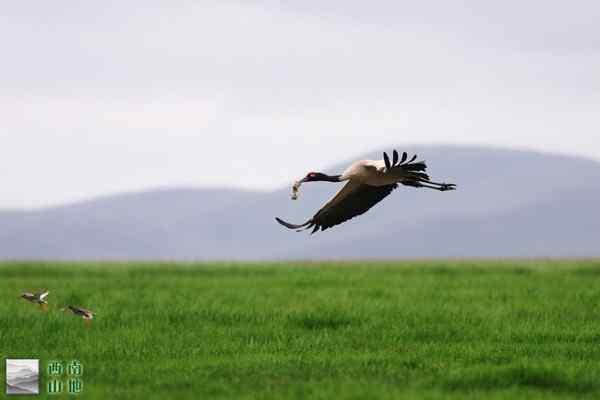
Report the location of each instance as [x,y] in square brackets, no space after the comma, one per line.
[37,298]
[87,315]
[369,182]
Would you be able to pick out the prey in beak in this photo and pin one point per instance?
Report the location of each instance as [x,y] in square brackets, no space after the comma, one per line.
[296,189]
[313,177]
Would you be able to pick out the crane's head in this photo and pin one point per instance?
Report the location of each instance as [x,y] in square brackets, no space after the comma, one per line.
[313,177]
[320,177]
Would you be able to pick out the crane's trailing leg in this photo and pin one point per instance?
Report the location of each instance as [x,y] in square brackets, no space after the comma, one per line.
[439,183]
[442,187]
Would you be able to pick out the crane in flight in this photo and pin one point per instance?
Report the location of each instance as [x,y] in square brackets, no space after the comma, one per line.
[368,182]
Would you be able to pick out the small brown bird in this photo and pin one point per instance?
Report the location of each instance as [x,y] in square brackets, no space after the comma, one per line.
[37,298]
[87,315]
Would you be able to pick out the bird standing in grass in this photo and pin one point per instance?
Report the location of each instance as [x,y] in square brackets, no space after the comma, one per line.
[368,182]
[87,315]
[37,298]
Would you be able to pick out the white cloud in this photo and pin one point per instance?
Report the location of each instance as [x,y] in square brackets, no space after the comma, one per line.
[112,97]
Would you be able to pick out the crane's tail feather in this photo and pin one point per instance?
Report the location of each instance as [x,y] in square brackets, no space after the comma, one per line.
[418,166]
[292,226]
[420,176]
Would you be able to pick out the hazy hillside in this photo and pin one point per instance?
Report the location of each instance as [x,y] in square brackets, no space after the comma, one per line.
[508,203]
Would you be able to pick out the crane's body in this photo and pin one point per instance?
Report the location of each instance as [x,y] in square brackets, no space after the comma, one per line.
[373,173]
[368,182]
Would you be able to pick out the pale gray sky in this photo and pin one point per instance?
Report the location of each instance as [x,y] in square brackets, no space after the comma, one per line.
[102,97]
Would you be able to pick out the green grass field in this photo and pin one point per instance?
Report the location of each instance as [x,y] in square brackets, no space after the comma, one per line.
[423,329]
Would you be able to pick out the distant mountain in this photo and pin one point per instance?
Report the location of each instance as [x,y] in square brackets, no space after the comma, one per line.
[508,203]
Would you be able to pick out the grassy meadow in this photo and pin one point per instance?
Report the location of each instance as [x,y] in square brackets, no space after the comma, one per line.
[389,330]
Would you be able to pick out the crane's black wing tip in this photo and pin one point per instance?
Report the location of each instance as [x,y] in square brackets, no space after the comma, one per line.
[299,228]
[394,158]
[282,222]
[288,225]
[386,160]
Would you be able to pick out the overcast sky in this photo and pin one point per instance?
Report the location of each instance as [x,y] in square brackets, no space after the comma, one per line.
[103,97]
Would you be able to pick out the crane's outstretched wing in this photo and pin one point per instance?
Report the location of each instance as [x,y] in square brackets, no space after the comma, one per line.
[354,199]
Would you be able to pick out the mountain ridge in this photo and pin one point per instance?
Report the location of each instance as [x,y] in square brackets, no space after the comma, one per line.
[503,195]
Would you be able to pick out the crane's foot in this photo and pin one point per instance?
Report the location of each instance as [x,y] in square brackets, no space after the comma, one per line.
[447,186]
